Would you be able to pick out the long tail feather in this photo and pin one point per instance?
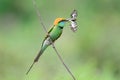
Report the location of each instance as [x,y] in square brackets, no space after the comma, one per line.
[35,60]
[30,68]
[38,56]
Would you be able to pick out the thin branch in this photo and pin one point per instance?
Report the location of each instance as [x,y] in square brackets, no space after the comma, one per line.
[38,13]
[63,62]
[41,22]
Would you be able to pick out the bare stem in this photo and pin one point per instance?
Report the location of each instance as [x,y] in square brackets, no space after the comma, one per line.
[38,13]
[63,62]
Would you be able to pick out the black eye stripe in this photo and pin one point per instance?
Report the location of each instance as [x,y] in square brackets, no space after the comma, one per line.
[60,27]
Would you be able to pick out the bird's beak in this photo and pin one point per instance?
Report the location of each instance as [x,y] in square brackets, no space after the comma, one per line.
[66,20]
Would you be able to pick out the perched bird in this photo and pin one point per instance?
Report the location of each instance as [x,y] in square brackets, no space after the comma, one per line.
[53,34]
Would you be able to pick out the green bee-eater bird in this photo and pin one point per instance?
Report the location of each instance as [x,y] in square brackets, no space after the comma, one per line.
[54,33]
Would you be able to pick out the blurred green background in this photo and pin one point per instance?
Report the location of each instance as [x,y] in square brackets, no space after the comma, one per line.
[92,53]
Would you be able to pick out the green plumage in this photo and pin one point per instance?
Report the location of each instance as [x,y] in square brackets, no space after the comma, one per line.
[55,32]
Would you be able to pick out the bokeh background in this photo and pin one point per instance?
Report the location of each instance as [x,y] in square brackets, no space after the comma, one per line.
[92,53]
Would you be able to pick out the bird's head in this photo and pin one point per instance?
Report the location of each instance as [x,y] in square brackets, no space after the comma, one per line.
[60,21]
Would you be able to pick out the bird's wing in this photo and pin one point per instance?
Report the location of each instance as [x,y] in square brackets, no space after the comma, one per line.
[51,28]
[74,14]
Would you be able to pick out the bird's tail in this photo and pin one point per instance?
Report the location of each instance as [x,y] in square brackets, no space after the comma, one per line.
[37,58]
[38,55]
